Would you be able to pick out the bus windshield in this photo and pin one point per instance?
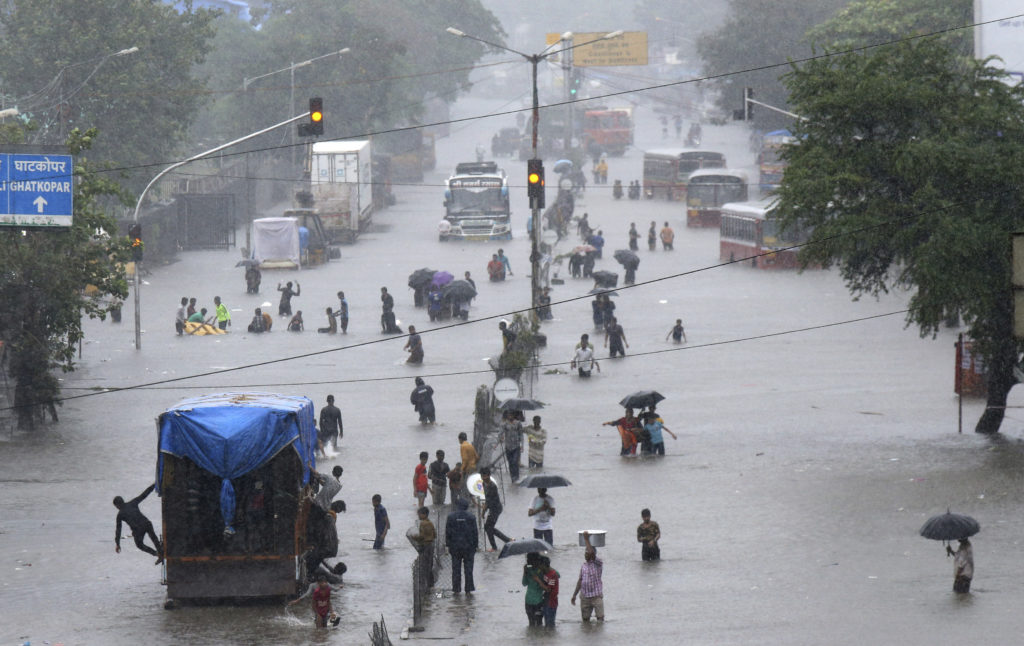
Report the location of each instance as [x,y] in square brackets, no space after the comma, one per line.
[715,191]
[484,200]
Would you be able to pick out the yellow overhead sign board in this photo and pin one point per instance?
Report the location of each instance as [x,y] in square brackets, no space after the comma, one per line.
[628,49]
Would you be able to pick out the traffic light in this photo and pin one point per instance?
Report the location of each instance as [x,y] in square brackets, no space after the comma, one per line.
[574,83]
[315,127]
[135,239]
[535,183]
[746,111]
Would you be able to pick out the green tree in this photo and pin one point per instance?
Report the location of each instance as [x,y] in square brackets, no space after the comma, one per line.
[380,83]
[873,22]
[142,101]
[758,33]
[51,279]
[910,170]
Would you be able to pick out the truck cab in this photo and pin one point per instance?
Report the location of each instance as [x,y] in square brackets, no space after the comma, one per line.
[476,203]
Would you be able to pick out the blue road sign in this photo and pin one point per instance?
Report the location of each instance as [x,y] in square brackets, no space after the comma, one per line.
[36,190]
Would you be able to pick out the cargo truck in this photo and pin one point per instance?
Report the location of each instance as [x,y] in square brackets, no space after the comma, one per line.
[341,185]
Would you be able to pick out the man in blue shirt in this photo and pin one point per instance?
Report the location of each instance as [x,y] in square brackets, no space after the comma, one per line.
[503,259]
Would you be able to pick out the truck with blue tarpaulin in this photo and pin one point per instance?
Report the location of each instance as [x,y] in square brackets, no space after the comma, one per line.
[233,474]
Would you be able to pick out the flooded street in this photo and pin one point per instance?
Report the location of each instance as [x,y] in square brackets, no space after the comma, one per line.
[789,506]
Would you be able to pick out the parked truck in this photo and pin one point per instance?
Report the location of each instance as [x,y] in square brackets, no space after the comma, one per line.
[341,185]
[476,203]
[234,474]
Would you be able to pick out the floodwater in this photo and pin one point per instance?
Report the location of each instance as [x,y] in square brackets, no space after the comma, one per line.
[789,506]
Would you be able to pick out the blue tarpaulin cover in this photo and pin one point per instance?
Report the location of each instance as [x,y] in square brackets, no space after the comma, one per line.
[230,434]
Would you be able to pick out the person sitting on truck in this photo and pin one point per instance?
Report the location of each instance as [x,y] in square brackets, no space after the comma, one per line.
[495,269]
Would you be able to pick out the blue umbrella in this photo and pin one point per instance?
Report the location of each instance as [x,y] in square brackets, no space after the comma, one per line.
[562,166]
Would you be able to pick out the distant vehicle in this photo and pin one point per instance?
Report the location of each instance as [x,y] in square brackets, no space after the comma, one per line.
[341,182]
[506,142]
[609,128]
[707,190]
[315,245]
[411,152]
[233,474]
[476,203]
[666,170]
[749,231]
[769,160]
[550,137]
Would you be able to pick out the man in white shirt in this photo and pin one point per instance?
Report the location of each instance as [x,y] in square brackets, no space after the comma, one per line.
[584,360]
[542,509]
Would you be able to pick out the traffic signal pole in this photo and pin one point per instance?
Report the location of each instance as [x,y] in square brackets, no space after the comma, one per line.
[142,195]
[534,205]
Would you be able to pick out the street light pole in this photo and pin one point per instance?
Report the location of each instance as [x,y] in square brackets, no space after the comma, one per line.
[534,60]
[291,97]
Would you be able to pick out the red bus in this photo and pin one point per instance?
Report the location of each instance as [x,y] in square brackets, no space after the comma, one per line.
[610,128]
[748,230]
[707,190]
[667,169]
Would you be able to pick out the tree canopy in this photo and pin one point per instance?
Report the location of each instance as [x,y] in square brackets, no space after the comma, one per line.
[399,54]
[141,101]
[909,169]
[758,33]
[873,22]
[50,279]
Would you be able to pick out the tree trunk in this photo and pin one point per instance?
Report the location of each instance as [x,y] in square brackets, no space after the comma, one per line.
[1000,380]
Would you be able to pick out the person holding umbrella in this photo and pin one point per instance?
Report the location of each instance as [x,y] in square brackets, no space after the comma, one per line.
[542,509]
[948,527]
[963,566]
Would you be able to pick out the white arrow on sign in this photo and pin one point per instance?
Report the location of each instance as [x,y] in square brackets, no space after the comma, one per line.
[39,203]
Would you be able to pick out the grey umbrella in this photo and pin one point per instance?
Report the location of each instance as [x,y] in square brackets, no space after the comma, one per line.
[949,527]
[626,258]
[603,290]
[544,481]
[421,277]
[516,403]
[641,399]
[458,289]
[604,278]
[524,546]
[247,262]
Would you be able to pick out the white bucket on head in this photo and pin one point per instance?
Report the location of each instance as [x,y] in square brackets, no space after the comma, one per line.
[596,537]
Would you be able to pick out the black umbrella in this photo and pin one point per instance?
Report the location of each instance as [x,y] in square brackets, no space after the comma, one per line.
[604,278]
[544,481]
[516,403]
[641,399]
[421,277]
[949,527]
[458,289]
[525,546]
[627,258]
[603,290]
